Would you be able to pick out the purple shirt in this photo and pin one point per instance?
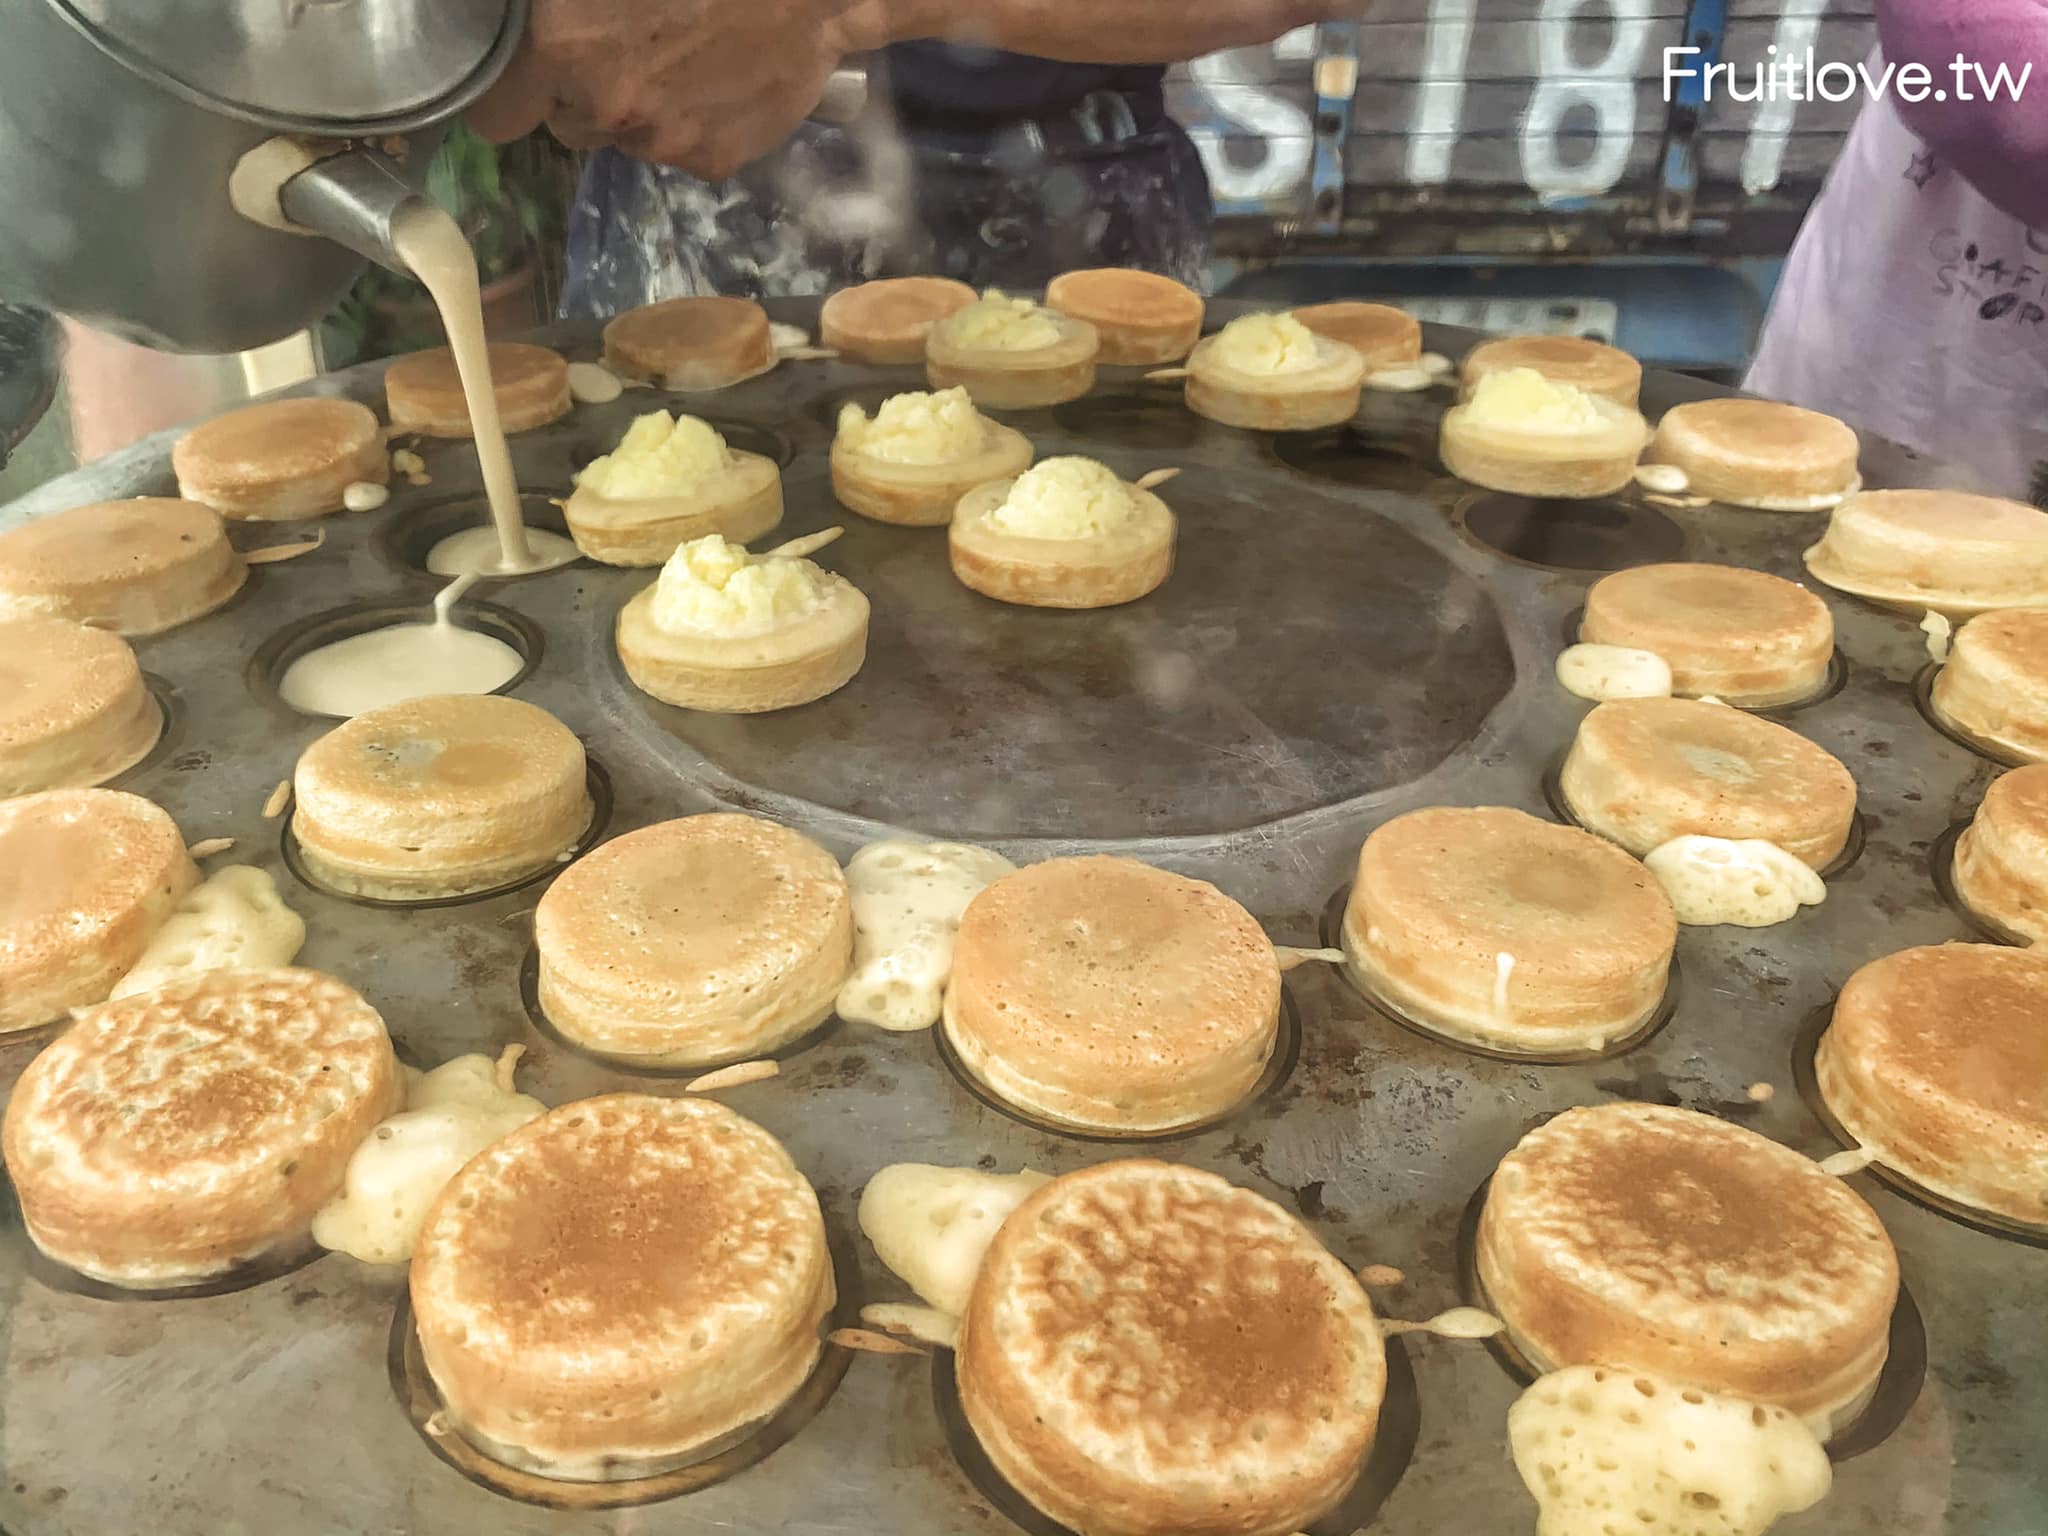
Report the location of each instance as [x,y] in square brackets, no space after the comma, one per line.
[1916,308]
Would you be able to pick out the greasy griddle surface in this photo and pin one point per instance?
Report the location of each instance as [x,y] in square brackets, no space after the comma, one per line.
[1329,653]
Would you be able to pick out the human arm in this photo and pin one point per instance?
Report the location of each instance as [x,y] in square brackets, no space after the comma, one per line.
[712,84]
[2000,146]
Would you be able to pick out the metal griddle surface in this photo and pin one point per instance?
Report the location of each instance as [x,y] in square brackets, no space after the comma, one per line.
[1333,648]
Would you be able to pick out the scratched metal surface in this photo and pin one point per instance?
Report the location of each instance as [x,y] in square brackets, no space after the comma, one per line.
[1328,654]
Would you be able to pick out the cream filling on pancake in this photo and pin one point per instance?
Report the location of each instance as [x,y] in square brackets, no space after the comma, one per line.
[659,455]
[1265,345]
[917,427]
[1744,882]
[932,1225]
[1603,672]
[712,586]
[908,899]
[998,323]
[1604,1450]
[450,1114]
[1064,498]
[232,920]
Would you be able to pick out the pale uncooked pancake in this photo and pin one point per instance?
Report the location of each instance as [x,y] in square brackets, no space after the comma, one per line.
[886,321]
[1324,394]
[2001,860]
[1593,366]
[86,877]
[281,459]
[1995,684]
[1743,636]
[739,497]
[1947,550]
[173,1135]
[1937,1060]
[1758,453]
[135,567]
[423,390]
[1526,434]
[693,942]
[624,1285]
[1384,336]
[1139,317]
[1634,1235]
[1105,994]
[1119,565]
[733,633]
[919,491]
[73,707]
[691,343]
[1643,771]
[1003,377]
[1507,931]
[1148,1351]
[439,796]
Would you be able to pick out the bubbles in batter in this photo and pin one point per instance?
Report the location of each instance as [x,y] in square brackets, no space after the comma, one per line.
[1604,672]
[908,899]
[1747,883]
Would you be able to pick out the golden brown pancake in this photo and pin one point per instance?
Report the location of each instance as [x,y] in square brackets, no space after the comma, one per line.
[86,877]
[135,567]
[439,796]
[626,1284]
[2001,860]
[1593,366]
[1643,771]
[73,707]
[1759,453]
[1640,1237]
[886,321]
[692,343]
[1744,636]
[1947,550]
[423,390]
[1105,994]
[1384,336]
[170,1136]
[1148,1351]
[692,942]
[1139,317]
[1937,1060]
[281,459]
[1507,931]
[1994,686]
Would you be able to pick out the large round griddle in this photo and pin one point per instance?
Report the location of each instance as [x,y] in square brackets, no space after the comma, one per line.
[1348,634]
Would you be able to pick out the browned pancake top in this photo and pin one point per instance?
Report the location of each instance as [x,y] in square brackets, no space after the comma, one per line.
[276,440]
[1672,1213]
[620,1219]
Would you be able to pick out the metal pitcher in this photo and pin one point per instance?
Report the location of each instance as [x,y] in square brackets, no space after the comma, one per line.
[121,122]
